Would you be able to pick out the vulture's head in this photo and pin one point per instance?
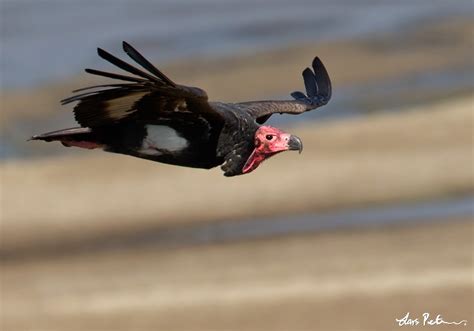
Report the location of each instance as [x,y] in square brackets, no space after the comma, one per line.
[268,142]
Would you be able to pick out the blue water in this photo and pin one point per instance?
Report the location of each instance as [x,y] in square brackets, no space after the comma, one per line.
[410,214]
[230,231]
[46,40]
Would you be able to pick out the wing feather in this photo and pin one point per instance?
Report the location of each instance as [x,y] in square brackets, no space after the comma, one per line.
[310,82]
[125,66]
[115,76]
[148,96]
[101,86]
[141,60]
[318,93]
[322,78]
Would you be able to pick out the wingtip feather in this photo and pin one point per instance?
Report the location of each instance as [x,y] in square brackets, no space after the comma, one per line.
[101,52]
[310,82]
[322,77]
[126,45]
[144,63]
[317,63]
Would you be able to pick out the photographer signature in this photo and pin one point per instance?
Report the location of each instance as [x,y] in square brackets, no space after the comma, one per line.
[427,320]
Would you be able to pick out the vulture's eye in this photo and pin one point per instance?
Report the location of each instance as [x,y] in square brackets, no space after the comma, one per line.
[269,137]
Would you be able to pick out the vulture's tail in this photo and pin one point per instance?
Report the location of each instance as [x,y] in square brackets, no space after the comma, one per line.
[78,137]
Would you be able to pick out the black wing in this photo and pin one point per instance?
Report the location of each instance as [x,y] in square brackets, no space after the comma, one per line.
[146,96]
[318,93]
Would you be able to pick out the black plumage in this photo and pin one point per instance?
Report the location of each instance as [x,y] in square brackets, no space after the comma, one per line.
[151,117]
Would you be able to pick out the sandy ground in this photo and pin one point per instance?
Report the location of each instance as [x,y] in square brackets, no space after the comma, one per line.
[344,280]
[421,154]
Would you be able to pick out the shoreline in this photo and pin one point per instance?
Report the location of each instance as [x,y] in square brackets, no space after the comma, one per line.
[279,284]
[346,163]
[178,236]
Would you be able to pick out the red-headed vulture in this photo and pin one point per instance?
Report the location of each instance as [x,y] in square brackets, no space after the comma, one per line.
[149,116]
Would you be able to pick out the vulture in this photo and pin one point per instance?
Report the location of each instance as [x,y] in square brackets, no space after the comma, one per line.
[147,115]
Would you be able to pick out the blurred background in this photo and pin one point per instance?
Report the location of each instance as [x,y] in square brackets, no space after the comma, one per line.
[373,220]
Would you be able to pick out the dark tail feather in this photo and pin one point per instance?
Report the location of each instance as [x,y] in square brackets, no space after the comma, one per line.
[79,137]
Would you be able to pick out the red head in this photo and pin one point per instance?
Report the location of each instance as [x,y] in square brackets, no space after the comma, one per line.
[268,142]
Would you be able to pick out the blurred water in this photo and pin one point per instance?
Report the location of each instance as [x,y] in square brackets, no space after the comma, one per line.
[46,40]
[408,213]
[443,210]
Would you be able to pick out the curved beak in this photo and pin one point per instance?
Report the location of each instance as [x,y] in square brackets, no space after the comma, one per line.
[295,144]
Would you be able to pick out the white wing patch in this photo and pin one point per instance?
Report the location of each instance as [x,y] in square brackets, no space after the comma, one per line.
[161,139]
[121,107]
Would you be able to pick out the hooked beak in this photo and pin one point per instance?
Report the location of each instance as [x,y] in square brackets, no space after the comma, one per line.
[295,144]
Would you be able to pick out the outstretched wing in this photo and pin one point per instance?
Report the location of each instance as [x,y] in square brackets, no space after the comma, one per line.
[318,93]
[148,95]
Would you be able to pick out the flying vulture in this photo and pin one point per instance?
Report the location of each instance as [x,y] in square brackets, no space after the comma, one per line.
[149,116]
